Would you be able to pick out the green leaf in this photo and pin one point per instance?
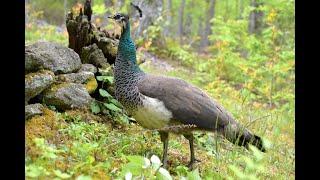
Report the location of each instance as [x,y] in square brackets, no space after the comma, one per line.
[104,93]
[136,159]
[135,165]
[135,169]
[34,171]
[95,108]
[61,174]
[107,79]
[163,174]
[115,102]
[112,107]
[83,177]
[194,175]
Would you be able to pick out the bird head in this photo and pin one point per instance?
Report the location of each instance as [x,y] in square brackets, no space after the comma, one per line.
[121,19]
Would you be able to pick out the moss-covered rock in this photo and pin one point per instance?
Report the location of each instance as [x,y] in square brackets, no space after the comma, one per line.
[32,110]
[93,55]
[67,96]
[86,78]
[88,68]
[35,83]
[109,48]
[51,56]
[79,77]
[91,85]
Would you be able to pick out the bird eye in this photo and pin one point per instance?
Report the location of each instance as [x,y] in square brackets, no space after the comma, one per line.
[117,16]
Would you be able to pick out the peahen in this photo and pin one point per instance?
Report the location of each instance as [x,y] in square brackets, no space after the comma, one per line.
[159,102]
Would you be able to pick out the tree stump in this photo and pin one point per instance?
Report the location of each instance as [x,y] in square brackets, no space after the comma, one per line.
[82,33]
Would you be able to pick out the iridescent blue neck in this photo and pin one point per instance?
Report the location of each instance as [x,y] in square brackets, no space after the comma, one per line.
[127,49]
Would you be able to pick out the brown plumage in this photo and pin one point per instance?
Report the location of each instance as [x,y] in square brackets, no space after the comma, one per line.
[190,105]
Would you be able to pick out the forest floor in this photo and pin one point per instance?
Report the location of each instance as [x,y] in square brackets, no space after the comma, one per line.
[81,143]
[77,143]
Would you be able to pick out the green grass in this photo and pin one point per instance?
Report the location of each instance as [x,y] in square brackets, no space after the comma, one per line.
[92,147]
[35,33]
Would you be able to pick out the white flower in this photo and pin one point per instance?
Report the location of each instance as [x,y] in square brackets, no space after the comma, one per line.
[146,163]
[165,173]
[155,160]
[128,176]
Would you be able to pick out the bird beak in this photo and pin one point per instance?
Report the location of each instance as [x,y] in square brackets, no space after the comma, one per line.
[111,17]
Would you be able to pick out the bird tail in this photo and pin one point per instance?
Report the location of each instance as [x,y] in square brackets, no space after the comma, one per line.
[241,136]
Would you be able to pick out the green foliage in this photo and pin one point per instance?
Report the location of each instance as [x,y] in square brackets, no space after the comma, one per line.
[99,7]
[53,13]
[252,166]
[109,105]
[175,51]
[35,33]
[47,153]
[141,167]
[105,79]
[152,36]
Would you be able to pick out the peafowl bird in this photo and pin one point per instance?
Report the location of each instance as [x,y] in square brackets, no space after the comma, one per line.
[159,102]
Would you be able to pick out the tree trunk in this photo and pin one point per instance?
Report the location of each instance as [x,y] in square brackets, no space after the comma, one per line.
[200,33]
[241,9]
[151,10]
[188,22]
[65,10]
[255,18]
[26,20]
[227,11]
[237,8]
[207,30]
[109,3]
[167,28]
[180,23]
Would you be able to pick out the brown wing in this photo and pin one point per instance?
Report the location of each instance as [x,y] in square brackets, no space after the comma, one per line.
[188,104]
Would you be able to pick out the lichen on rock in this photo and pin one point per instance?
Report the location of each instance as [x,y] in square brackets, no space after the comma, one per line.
[51,56]
[79,77]
[35,83]
[67,96]
[86,78]
[88,68]
[93,55]
[91,85]
[33,110]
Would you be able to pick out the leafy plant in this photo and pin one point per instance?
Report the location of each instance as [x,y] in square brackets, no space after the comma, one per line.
[141,167]
[109,105]
[252,167]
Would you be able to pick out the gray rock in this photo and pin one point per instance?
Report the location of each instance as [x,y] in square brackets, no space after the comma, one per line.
[79,77]
[67,96]
[93,55]
[32,110]
[51,56]
[88,68]
[35,83]
[86,78]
